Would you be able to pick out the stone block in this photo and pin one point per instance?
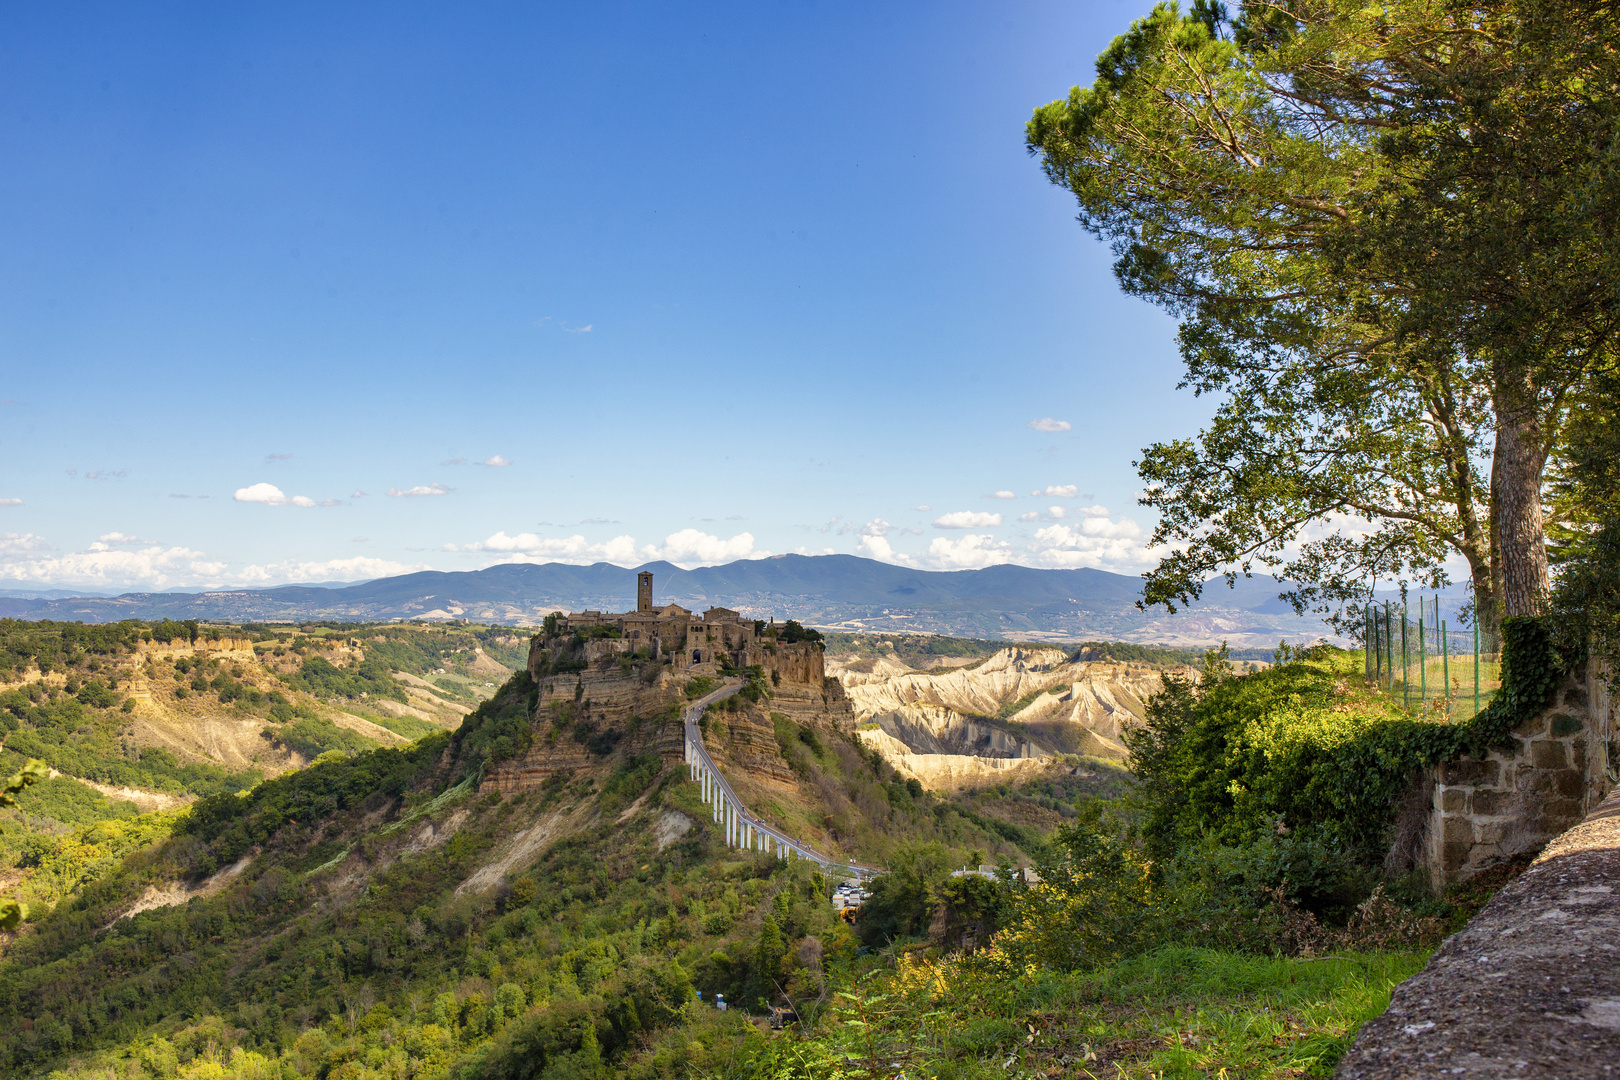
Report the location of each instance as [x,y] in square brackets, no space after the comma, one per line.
[1454,856]
[1452,800]
[1548,755]
[1575,696]
[1577,754]
[1469,771]
[1457,830]
[1566,724]
[1492,832]
[1536,725]
[1565,811]
[1490,803]
[1569,784]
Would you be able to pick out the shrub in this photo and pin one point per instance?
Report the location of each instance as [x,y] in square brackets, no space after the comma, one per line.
[1306,746]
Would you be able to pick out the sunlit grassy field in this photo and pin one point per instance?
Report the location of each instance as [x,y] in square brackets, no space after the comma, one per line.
[1177,1012]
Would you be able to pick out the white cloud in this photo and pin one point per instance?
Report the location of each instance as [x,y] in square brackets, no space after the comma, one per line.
[418,491]
[553,549]
[454,461]
[964,553]
[17,543]
[1058,491]
[496,461]
[11,502]
[876,547]
[874,540]
[1031,516]
[578,329]
[358,568]
[689,548]
[24,557]
[1055,512]
[118,538]
[924,507]
[357,494]
[1001,495]
[1046,423]
[686,548]
[1097,542]
[270,495]
[967,519]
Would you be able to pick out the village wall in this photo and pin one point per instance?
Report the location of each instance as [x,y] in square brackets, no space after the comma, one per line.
[1514,801]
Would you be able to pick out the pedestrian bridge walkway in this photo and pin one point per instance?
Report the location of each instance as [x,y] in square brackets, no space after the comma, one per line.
[742,829]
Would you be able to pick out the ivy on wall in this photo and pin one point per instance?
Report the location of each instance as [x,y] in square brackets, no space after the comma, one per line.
[1298,746]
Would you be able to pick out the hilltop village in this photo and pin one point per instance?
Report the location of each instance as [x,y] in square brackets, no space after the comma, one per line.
[605,681]
[698,644]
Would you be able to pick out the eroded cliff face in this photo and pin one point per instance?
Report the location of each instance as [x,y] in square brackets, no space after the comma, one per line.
[579,718]
[937,725]
[620,702]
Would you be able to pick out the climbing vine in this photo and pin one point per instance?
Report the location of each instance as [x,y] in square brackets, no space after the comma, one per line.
[1303,745]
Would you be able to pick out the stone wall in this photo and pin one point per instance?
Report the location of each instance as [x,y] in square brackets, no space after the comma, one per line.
[1514,801]
[1528,989]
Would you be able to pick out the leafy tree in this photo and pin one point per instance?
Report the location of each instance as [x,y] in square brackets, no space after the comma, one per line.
[1585,542]
[792,632]
[1377,227]
[32,772]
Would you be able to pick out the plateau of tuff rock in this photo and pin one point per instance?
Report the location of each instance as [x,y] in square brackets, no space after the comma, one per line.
[592,695]
[1011,713]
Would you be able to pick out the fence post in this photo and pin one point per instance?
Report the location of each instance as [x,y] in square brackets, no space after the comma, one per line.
[1367,640]
[1476,659]
[1389,643]
[1423,656]
[1406,663]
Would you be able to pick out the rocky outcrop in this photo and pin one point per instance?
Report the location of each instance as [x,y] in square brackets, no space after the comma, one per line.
[1529,988]
[934,729]
[937,725]
[580,717]
[947,772]
[620,702]
[745,740]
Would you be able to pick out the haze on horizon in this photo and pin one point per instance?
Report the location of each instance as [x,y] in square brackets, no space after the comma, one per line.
[305,295]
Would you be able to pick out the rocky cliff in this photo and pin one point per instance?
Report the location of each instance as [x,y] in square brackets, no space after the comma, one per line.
[1014,710]
[621,701]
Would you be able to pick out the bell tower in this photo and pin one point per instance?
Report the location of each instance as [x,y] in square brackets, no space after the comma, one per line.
[644,591]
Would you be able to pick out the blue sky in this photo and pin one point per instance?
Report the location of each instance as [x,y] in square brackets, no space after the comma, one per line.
[326,292]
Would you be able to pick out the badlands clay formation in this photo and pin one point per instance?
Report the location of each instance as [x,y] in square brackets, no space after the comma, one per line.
[937,725]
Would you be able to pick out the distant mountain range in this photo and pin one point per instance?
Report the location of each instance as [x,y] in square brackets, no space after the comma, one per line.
[840,592]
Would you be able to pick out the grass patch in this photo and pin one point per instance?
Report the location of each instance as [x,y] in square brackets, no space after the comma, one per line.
[1176,1012]
[408,727]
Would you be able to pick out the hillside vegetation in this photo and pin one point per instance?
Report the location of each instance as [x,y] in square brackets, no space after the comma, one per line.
[135,717]
[379,915]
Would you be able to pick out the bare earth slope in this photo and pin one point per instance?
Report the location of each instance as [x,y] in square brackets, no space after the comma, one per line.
[986,721]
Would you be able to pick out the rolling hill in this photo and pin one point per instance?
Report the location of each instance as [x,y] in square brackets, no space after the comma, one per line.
[833,591]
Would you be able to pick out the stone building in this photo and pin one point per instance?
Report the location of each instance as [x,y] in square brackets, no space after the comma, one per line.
[686,639]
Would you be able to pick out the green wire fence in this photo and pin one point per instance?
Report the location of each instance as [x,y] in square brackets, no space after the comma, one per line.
[1429,665]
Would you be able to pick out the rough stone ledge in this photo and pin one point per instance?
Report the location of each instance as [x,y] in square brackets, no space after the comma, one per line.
[1529,988]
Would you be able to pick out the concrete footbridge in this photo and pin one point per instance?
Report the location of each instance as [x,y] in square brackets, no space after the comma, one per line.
[742,829]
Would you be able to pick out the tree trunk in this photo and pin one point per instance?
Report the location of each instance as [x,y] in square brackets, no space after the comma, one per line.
[1521,552]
